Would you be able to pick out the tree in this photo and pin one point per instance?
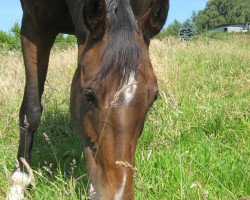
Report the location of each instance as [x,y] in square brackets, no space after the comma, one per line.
[172,30]
[11,41]
[187,29]
[218,12]
[16,30]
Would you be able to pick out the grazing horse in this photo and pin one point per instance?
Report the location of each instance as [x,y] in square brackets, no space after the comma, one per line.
[112,89]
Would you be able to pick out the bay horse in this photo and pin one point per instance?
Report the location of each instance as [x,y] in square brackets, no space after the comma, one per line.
[112,89]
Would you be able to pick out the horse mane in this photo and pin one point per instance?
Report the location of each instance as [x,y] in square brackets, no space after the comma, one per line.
[121,55]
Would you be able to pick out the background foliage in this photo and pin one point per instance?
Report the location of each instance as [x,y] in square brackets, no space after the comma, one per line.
[11,40]
[172,30]
[216,12]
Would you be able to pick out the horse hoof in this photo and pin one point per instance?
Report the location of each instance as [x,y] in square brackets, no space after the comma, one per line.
[18,182]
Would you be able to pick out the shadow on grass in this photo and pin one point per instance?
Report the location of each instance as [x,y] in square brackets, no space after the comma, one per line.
[57,149]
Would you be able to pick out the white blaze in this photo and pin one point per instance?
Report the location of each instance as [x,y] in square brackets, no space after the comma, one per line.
[130,90]
[119,194]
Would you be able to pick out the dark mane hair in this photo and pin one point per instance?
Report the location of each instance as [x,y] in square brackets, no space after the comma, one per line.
[121,55]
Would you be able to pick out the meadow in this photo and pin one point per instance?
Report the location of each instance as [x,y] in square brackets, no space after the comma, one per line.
[196,140]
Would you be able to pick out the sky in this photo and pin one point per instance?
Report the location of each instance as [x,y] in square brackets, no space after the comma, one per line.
[11,12]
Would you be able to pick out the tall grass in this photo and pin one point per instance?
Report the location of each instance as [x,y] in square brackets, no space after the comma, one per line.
[196,141]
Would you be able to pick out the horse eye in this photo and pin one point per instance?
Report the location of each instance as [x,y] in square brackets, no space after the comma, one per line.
[89,95]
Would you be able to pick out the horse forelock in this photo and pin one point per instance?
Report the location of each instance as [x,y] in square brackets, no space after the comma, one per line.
[121,54]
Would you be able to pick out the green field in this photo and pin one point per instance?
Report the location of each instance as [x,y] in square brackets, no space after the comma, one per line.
[196,140]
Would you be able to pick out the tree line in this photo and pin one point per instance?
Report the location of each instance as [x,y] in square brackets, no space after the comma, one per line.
[11,40]
[216,12]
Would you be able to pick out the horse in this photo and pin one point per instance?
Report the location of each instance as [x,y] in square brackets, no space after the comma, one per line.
[112,89]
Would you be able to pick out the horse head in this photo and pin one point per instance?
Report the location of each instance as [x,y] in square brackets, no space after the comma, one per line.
[112,90]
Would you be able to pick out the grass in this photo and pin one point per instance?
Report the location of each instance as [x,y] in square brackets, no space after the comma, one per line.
[196,140]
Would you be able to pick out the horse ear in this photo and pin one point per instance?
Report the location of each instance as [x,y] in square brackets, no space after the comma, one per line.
[154,18]
[94,13]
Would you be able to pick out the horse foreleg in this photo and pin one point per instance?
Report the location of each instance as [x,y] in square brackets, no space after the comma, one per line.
[36,45]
